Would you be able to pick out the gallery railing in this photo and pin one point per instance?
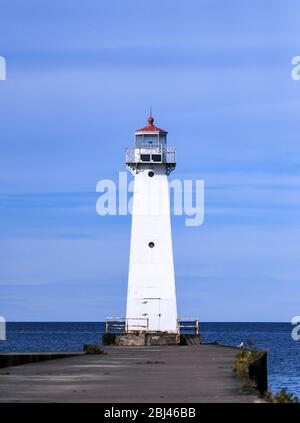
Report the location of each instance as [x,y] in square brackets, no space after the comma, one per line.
[151,155]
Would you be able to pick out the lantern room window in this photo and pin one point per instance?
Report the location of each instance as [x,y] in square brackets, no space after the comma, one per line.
[162,139]
[151,139]
[138,140]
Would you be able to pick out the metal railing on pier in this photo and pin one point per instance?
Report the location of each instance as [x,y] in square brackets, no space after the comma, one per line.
[123,325]
[188,326]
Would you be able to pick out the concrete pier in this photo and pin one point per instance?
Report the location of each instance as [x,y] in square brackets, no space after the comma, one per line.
[201,373]
[15,359]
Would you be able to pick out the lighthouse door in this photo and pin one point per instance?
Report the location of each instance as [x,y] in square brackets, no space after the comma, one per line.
[153,313]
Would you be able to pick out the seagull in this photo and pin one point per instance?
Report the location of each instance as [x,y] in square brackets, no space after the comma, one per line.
[241,344]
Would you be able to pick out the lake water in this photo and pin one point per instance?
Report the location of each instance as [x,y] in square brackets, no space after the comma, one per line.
[283,351]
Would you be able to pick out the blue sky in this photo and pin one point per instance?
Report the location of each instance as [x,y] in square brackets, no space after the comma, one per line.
[80,79]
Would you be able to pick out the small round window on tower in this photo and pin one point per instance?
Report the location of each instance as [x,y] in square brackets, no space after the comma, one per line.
[151,173]
[151,244]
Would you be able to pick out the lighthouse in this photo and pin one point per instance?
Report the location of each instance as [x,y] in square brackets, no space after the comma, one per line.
[151,295]
[151,310]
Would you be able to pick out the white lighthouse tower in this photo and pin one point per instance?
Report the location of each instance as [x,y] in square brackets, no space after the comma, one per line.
[151,297]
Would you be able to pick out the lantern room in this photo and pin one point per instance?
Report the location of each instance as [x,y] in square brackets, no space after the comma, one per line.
[150,147]
[150,136]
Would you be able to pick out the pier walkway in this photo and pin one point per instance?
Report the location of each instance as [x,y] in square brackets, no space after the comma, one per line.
[129,374]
